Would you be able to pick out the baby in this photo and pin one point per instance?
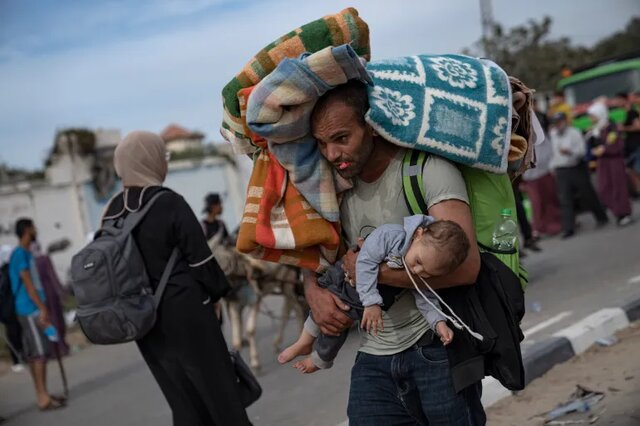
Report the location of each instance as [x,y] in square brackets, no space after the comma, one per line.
[430,248]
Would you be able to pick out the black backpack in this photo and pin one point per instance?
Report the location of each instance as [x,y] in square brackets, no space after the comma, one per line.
[493,307]
[116,303]
[7,301]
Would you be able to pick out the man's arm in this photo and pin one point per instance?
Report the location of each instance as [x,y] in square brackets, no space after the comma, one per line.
[326,307]
[456,211]
[25,275]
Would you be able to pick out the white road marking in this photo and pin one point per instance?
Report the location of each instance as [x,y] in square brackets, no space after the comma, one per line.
[546,323]
[634,280]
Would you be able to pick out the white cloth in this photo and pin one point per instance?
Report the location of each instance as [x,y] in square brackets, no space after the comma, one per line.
[544,154]
[571,140]
[600,111]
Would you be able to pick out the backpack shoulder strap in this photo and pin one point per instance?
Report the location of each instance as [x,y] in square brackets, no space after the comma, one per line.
[132,220]
[412,181]
[157,296]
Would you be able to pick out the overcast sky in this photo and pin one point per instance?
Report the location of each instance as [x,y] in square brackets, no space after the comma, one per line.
[147,63]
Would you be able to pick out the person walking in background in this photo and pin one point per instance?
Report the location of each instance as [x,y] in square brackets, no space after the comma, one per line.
[541,189]
[8,315]
[216,233]
[559,104]
[185,350]
[607,145]
[212,225]
[631,131]
[32,312]
[572,174]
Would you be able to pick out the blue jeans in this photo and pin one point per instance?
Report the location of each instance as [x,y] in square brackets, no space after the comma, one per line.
[412,387]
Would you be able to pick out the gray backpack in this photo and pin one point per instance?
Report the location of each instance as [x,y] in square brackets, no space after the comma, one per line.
[116,303]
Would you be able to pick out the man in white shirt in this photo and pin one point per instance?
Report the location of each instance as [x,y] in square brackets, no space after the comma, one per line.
[572,174]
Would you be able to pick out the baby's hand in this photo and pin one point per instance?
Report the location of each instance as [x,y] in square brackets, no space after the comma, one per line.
[372,319]
[445,333]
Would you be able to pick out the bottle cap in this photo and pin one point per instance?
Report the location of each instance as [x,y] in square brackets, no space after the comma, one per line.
[505,212]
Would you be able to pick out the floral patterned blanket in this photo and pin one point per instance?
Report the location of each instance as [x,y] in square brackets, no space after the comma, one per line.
[454,106]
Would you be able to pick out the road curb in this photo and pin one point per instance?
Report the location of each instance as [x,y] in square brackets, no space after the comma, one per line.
[632,309]
[542,356]
[569,342]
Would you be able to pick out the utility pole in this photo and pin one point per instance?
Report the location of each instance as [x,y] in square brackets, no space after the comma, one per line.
[486,15]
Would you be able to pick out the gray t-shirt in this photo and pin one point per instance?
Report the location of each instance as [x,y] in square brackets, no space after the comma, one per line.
[369,205]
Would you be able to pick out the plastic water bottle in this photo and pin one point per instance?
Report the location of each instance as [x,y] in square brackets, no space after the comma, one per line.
[51,333]
[505,232]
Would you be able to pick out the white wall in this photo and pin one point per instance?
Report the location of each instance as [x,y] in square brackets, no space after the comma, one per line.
[55,212]
[63,169]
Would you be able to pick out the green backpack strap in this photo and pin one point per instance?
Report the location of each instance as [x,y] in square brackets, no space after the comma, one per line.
[479,183]
[412,182]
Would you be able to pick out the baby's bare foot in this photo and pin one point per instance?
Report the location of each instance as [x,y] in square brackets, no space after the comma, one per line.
[297,349]
[306,366]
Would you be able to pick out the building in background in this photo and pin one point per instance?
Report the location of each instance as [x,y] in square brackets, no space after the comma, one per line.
[180,140]
[78,183]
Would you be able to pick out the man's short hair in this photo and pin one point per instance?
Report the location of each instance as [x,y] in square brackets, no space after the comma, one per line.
[22,225]
[353,93]
[451,242]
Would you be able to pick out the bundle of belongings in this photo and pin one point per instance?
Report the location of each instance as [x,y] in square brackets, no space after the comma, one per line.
[464,109]
[292,210]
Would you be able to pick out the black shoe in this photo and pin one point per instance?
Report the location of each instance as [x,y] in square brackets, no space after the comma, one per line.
[602,223]
[531,245]
[567,234]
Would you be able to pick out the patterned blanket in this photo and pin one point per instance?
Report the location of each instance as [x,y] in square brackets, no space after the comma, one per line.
[279,110]
[278,224]
[331,30]
[452,105]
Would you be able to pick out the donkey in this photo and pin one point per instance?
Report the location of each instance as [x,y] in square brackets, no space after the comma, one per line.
[251,280]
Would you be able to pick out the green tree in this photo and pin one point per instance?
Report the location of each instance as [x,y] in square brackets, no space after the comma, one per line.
[531,54]
[619,43]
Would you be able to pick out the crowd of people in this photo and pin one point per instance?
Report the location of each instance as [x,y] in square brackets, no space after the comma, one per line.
[595,172]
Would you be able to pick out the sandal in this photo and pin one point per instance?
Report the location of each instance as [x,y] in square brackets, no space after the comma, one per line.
[52,405]
[59,398]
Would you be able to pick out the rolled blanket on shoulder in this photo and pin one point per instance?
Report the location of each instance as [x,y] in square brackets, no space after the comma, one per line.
[332,30]
[280,108]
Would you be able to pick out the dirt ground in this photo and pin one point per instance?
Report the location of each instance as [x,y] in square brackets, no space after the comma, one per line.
[613,370]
